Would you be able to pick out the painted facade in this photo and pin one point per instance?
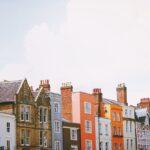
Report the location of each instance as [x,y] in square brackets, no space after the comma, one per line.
[111,110]
[103,133]
[56,116]
[71,135]
[7,131]
[79,108]
[129,128]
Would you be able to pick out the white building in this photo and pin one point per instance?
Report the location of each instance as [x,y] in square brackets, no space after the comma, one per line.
[129,127]
[103,133]
[7,131]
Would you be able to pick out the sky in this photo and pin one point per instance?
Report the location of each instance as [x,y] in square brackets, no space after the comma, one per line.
[90,43]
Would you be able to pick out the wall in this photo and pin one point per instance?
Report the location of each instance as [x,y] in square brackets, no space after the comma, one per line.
[56,98]
[4,135]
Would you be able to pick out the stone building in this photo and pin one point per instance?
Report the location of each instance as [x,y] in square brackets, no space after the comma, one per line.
[32,112]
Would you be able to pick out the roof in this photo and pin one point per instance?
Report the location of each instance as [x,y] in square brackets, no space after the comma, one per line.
[141,112]
[8,89]
[110,101]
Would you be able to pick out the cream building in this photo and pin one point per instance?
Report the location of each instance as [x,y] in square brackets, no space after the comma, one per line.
[129,127]
[7,131]
[103,133]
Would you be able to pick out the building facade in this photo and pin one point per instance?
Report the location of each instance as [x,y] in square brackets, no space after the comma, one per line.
[129,127]
[143,129]
[7,131]
[56,121]
[79,107]
[144,103]
[103,133]
[71,136]
[32,111]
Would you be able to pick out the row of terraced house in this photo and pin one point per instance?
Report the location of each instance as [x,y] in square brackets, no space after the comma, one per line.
[44,120]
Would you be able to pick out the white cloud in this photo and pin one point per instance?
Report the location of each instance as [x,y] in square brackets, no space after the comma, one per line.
[100,43]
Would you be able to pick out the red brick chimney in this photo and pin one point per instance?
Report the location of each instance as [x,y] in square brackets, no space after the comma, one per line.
[66,94]
[45,84]
[98,97]
[122,93]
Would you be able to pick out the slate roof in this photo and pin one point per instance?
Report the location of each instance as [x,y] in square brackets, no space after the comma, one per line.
[110,101]
[8,89]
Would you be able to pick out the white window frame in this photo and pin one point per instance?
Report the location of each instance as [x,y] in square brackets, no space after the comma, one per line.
[56,108]
[88,144]
[87,107]
[43,114]
[57,126]
[75,132]
[25,111]
[57,148]
[74,147]
[88,129]
[25,137]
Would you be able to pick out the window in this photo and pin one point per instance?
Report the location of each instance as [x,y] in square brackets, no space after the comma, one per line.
[127,144]
[41,137]
[100,128]
[130,126]
[43,114]
[8,145]
[106,145]
[126,112]
[57,145]
[118,117]
[88,126]
[119,147]
[56,107]
[126,126]
[131,144]
[113,116]
[115,132]
[130,112]
[57,126]
[88,144]
[106,129]
[101,145]
[115,146]
[74,147]
[25,137]
[87,107]
[40,111]
[8,126]
[25,113]
[73,134]
[45,142]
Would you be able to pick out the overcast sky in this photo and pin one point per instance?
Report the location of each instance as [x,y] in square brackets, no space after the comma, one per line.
[92,43]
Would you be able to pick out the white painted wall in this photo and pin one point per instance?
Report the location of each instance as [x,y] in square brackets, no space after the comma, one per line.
[129,128]
[102,134]
[4,135]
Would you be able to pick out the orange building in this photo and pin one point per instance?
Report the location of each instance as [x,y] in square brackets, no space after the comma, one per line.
[82,111]
[113,111]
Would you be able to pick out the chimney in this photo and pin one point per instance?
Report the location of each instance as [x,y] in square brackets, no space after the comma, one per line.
[45,84]
[98,97]
[66,94]
[122,93]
